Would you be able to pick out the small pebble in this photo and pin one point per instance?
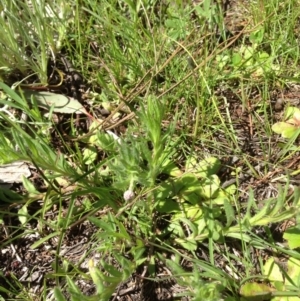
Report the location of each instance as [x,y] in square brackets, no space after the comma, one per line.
[279,104]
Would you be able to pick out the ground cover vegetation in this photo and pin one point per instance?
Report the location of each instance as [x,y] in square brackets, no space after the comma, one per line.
[149,150]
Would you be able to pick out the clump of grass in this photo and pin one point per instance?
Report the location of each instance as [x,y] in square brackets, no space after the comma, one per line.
[33,33]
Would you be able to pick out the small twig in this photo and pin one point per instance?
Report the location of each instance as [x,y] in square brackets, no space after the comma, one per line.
[250,118]
[274,172]
[122,292]
[14,252]
[69,67]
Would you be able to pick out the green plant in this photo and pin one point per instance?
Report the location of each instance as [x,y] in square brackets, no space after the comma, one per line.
[290,127]
[144,187]
[249,61]
[105,277]
[32,34]
[285,282]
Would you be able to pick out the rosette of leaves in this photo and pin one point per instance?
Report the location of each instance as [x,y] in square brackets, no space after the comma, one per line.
[199,184]
[250,60]
[194,199]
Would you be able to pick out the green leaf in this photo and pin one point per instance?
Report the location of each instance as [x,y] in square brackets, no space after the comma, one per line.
[187,182]
[90,154]
[292,235]
[127,265]
[236,59]
[73,289]
[286,130]
[112,270]
[263,57]
[3,289]
[282,216]
[261,291]
[216,231]
[151,116]
[222,60]
[29,186]
[139,253]
[291,126]
[23,214]
[248,53]
[175,227]
[174,267]
[293,272]
[193,197]
[58,294]
[204,168]
[210,186]
[124,234]
[103,224]
[7,195]
[257,36]
[12,94]
[167,206]
[165,191]
[272,270]
[229,213]
[189,187]
[170,168]
[192,212]
[59,103]
[189,243]
[105,141]
[291,112]
[96,277]
[254,220]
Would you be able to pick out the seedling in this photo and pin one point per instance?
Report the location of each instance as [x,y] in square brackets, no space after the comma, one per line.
[249,61]
[291,125]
